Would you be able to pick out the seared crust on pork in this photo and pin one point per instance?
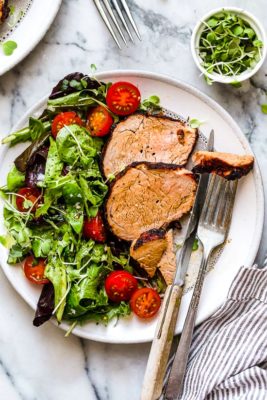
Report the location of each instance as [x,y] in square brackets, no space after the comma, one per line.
[149,138]
[155,250]
[167,264]
[4,10]
[148,196]
[148,249]
[229,166]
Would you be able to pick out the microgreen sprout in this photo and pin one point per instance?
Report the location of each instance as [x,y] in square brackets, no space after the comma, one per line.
[195,123]
[228,45]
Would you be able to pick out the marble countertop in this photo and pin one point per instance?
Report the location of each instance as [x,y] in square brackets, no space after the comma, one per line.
[40,364]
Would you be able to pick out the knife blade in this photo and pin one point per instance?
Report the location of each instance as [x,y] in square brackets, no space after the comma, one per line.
[161,345]
[183,257]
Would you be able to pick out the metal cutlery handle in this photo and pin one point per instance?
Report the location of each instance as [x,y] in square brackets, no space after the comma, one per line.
[177,372]
[161,345]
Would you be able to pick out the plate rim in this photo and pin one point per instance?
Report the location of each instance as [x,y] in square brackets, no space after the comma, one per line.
[39,36]
[111,74]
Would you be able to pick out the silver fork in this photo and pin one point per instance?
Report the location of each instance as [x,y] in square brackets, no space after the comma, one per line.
[112,13]
[212,231]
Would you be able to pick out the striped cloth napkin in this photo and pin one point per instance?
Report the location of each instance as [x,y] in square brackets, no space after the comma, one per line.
[228,358]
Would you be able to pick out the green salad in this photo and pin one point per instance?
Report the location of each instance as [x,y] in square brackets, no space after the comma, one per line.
[53,207]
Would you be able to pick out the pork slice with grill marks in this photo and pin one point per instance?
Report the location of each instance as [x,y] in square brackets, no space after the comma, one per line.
[148,196]
[155,250]
[148,138]
[148,249]
[229,166]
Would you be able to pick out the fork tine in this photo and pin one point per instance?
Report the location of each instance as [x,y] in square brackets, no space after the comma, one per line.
[105,19]
[205,209]
[129,15]
[215,200]
[116,5]
[221,203]
[229,204]
[112,15]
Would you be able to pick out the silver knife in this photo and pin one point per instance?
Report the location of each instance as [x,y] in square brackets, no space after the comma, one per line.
[161,345]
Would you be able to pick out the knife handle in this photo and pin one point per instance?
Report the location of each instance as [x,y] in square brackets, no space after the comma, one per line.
[161,345]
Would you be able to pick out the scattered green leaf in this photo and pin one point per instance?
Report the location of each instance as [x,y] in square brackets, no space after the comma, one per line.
[195,245]
[9,47]
[195,123]
[264,108]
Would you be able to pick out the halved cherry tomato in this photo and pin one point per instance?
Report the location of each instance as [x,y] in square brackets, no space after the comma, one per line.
[34,270]
[30,195]
[120,285]
[65,118]
[94,228]
[123,98]
[145,302]
[99,121]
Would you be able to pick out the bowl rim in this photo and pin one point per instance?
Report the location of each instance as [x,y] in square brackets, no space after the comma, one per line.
[255,24]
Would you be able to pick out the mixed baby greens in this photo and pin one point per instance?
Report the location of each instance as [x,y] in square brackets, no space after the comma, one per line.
[64,175]
[228,45]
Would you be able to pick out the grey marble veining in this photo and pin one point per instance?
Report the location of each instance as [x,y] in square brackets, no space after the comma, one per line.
[40,364]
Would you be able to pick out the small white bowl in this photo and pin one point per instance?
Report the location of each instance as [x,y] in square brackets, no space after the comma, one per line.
[253,22]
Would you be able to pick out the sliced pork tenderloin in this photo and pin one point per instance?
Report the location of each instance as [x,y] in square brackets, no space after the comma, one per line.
[148,249]
[147,138]
[229,166]
[148,196]
[167,264]
[155,250]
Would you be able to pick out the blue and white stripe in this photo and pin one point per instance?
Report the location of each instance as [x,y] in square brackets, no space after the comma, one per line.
[228,358]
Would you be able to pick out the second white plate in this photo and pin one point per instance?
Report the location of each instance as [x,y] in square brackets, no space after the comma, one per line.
[27,33]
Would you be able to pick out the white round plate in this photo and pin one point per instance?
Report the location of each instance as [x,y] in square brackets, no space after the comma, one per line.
[39,15]
[246,228]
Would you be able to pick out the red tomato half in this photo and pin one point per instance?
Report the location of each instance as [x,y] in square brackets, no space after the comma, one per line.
[120,285]
[32,195]
[64,118]
[123,98]
[99,121]
[34,270]
[94,228]
[145,302]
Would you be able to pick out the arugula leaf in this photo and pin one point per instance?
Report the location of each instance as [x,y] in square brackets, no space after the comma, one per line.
[55,271]
[15,179]
[36,128]
[42,241]
[76,145]
[7,240]
[72,192]
[49,198]
[54,165]
[86,294]
[84,98]
[16,254]
[93,192]
[75,217]
[105,314]
[23,135]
